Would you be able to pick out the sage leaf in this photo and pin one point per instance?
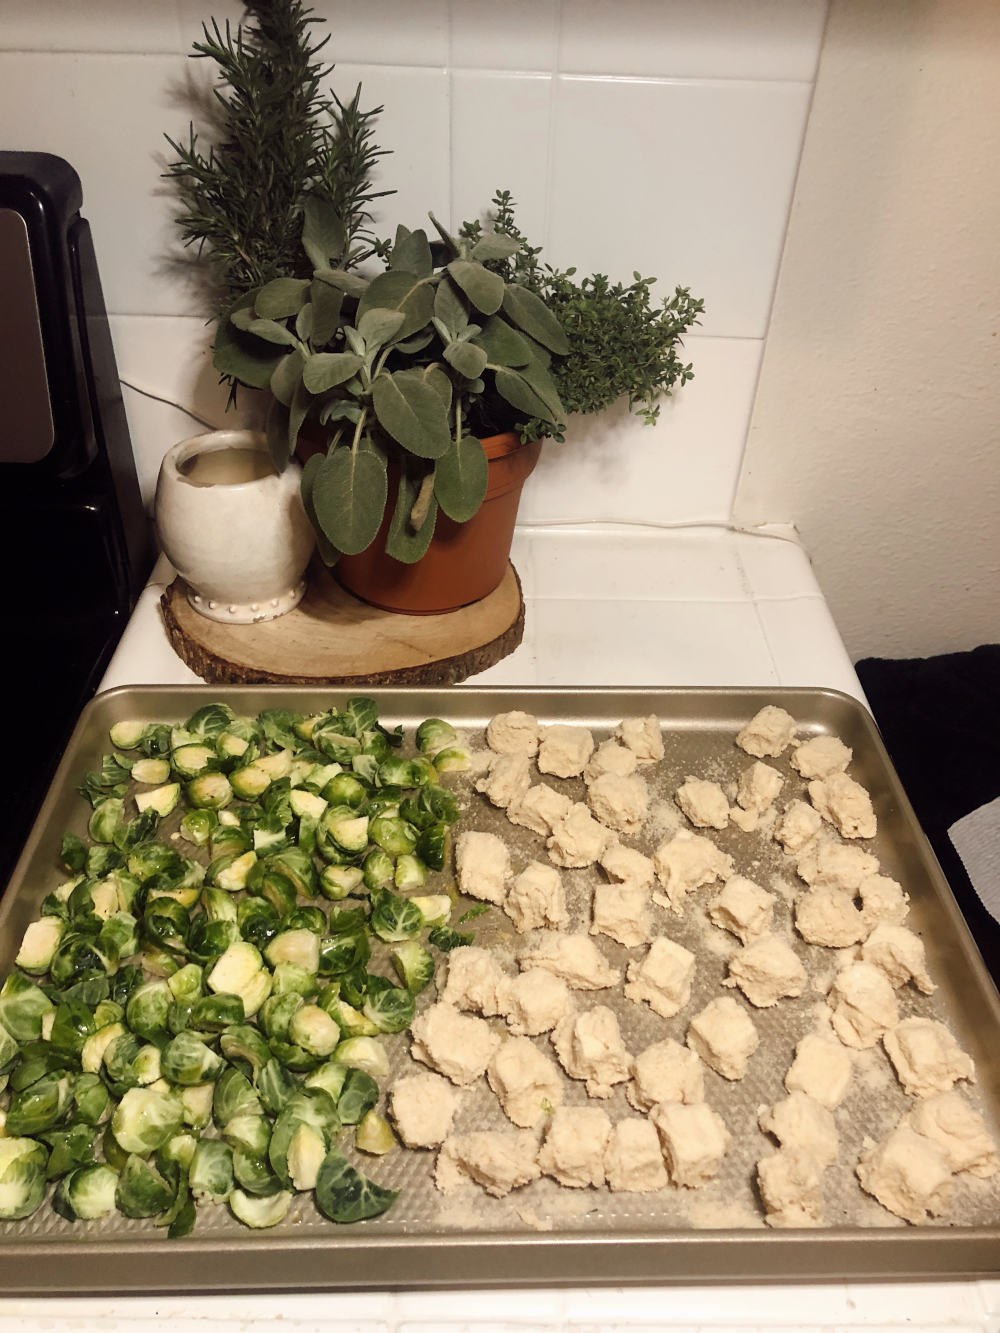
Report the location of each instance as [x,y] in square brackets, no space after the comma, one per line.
[451,307]
[267,329]
[468,359]
[484,289]
[328,552]
[494,245]
[513,386]
[348,283]
[411,252]
[241,357]
[287,376]
[402,542]
[460,479]
[276,431]
[281,298]
[439,382]
[530,313]
[325,370]
[326,303]
[503,345]
[323,234]
[349,491]
[379,326]
[396,290]
[304,323]
[412,412]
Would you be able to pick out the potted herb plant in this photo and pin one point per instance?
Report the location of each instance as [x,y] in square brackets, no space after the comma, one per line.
[407,385]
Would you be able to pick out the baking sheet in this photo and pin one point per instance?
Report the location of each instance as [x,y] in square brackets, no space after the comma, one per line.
[545,1233]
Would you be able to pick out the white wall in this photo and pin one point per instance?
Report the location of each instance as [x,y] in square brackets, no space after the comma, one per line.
[877,423]
[659,135]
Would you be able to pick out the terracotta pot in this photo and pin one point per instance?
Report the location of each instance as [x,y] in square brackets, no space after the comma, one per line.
[464,561]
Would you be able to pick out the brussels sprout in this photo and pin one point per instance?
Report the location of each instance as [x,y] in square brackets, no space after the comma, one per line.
[256,992]
[38,1059]
[229,837]
[304,1156]
[306,804]
[330,1077]
[341,953]
[434,735]
[145,1119]
[306,918]
[454,759]
[365,1053]
[147,859]
[434,908]
[230,871]
[91,1099]
[352,1022]
[127,735]
[243,1042]
[235,970]
[86,1193]
[161,800]
[210,720]
[234,1096]
[147,1067]
[92,1053]
[358,1096]
[389,1007]
[414,965]
[151,772]
[230,748]
[23,1007]
[72,1024]
[188,761]
[166,923]
[445,939]
[75,959]
[196,1102]
[197,826]
[291,977]
[215,1013]
[365,767]
[218,905]
[252,1133]
[277,765]
[344,1195]
[275,1086]
[345,789]
[40,1106]
[378,870]
[258,921]
[411,873]
[187,983]
[373,1135]
[337,882]
[141,1190]
[211,1176]
[38,944]
[68,1149]
[385,802]
[177,1151]
[155,742]
[258,1213]
[146,1011]
[119,936]
[253,1172]
[209,791]
[432,846]
[344,828]
[272,834]
[314,1030]
[187,1060]
[250,781]
[294,946]
[394,918]
[105,819]
[119,1062]
[276,1014]
[22,1177]
[392,834]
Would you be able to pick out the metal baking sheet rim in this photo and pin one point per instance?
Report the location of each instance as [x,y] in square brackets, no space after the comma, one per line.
[273,1262]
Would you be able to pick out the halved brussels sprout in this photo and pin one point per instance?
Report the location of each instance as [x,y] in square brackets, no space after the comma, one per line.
[145,1119]
[260,1212]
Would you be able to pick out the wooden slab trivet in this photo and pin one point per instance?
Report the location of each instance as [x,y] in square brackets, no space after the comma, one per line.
[332,638]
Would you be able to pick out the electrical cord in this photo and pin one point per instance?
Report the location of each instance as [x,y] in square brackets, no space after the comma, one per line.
[169,402]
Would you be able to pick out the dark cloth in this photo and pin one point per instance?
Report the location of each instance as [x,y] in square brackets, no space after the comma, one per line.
[940,721]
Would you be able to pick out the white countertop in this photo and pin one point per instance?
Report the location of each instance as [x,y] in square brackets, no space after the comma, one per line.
[610,605]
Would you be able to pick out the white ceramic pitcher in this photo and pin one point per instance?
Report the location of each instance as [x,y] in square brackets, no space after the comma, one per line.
[234,530]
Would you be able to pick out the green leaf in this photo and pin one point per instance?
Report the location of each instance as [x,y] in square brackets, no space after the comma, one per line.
[513,386]
[401,542]
[494,245]
[281,298]
[460,479]
[304,323]
[349,491]
[339,409]
[468,359]
[530,313]
[411,252]
[411,411]
[287,376]
[451,307]
[439,382]
[348,283]
[400,291]
[541,380]
[328,552]
[326,370]
[484,289]
[378,326]
[326,303]
[323,234]
[503,345]
[344,1195]
[268,329]
[241,356]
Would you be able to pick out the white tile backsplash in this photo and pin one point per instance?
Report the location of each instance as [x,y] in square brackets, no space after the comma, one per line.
[659,135]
